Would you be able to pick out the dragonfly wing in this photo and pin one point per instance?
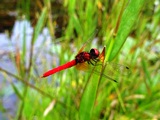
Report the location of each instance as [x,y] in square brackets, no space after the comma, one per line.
[104,75]
[111,70]
[82,48]
[89,69]
[117,69]
[82,66]
[89,40]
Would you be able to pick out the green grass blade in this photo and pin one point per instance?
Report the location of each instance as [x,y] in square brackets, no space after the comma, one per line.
[147,73]
[40,24]
[77,24]
[88,97]
[15,88]
[128,19]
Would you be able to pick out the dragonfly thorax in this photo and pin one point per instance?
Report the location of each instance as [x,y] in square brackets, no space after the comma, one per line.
[83,57]
[87,56]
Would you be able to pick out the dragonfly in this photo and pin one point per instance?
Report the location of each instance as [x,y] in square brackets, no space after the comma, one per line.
[85,61]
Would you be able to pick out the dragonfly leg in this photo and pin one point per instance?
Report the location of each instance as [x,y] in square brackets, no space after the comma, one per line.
[90,62]
[93,62]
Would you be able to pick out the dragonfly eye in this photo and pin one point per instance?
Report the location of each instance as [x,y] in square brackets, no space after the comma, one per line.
[94,53]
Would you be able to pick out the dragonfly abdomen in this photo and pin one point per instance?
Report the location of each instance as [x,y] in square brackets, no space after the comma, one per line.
[59,68]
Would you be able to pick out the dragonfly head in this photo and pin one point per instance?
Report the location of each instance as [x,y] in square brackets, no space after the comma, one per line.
[94,53]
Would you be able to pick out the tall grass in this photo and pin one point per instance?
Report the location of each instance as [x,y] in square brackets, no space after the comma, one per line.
[130,32]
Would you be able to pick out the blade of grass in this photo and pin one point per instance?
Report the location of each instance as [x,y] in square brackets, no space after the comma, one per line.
[91,17]
[88,97]
[77,25]
[120,97]
[40,24]
[128,19]
[147,73]
[16,90]
[71,11]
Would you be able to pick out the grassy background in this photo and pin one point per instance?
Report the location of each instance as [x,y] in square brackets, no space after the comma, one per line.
[130,32]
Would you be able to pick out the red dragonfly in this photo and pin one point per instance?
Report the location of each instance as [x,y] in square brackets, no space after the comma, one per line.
[86,60]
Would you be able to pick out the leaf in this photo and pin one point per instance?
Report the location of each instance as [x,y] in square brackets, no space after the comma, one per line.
[88,98]
[128,19]
[40,24]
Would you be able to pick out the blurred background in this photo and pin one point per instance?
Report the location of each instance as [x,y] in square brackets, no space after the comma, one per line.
[36,36]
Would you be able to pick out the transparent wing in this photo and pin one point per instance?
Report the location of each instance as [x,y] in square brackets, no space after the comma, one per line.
[116,69]
[88,41]
[83,66]
[112,71]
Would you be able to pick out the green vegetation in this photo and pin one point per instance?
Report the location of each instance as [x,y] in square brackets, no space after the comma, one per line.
[130,32]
